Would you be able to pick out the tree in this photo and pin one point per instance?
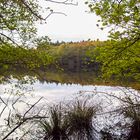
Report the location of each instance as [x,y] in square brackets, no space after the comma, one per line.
[43,43]
[122,55]
[17,20]
[17,29]
[18,17]
[124,15]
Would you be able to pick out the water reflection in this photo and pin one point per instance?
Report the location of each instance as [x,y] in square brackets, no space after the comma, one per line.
[82,78]
[19,98]
[64,77]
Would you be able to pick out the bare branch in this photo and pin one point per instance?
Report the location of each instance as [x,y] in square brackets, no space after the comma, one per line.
[8,39]
[32,107]
[31,10]
[66,2]
[54,13]
[24,119]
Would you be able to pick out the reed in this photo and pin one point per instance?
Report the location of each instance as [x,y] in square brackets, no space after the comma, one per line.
[80,116]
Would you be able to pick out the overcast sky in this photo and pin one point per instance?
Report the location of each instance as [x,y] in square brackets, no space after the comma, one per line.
[76,26]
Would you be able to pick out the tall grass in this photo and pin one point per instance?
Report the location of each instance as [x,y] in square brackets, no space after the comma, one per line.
[80,118]
[72,122]
[56,127]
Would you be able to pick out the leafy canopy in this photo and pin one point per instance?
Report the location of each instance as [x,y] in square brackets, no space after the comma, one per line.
[121,55]
[124,15]
[18,18]
[17,29]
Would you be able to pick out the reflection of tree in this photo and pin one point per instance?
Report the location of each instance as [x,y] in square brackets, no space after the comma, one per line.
[54,76]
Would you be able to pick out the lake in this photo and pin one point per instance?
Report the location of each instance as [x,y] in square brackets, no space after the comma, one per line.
[48,89]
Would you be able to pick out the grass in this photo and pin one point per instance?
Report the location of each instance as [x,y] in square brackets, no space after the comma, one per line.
[75,121]
[56,128]
[80,118]
[70,122]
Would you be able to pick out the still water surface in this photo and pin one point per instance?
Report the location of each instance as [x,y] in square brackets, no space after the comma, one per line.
[54,91]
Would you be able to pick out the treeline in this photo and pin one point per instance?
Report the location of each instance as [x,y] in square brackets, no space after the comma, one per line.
[109,59]
[65,56]
[73,56]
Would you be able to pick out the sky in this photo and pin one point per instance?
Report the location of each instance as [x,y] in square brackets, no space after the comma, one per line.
[78,25]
